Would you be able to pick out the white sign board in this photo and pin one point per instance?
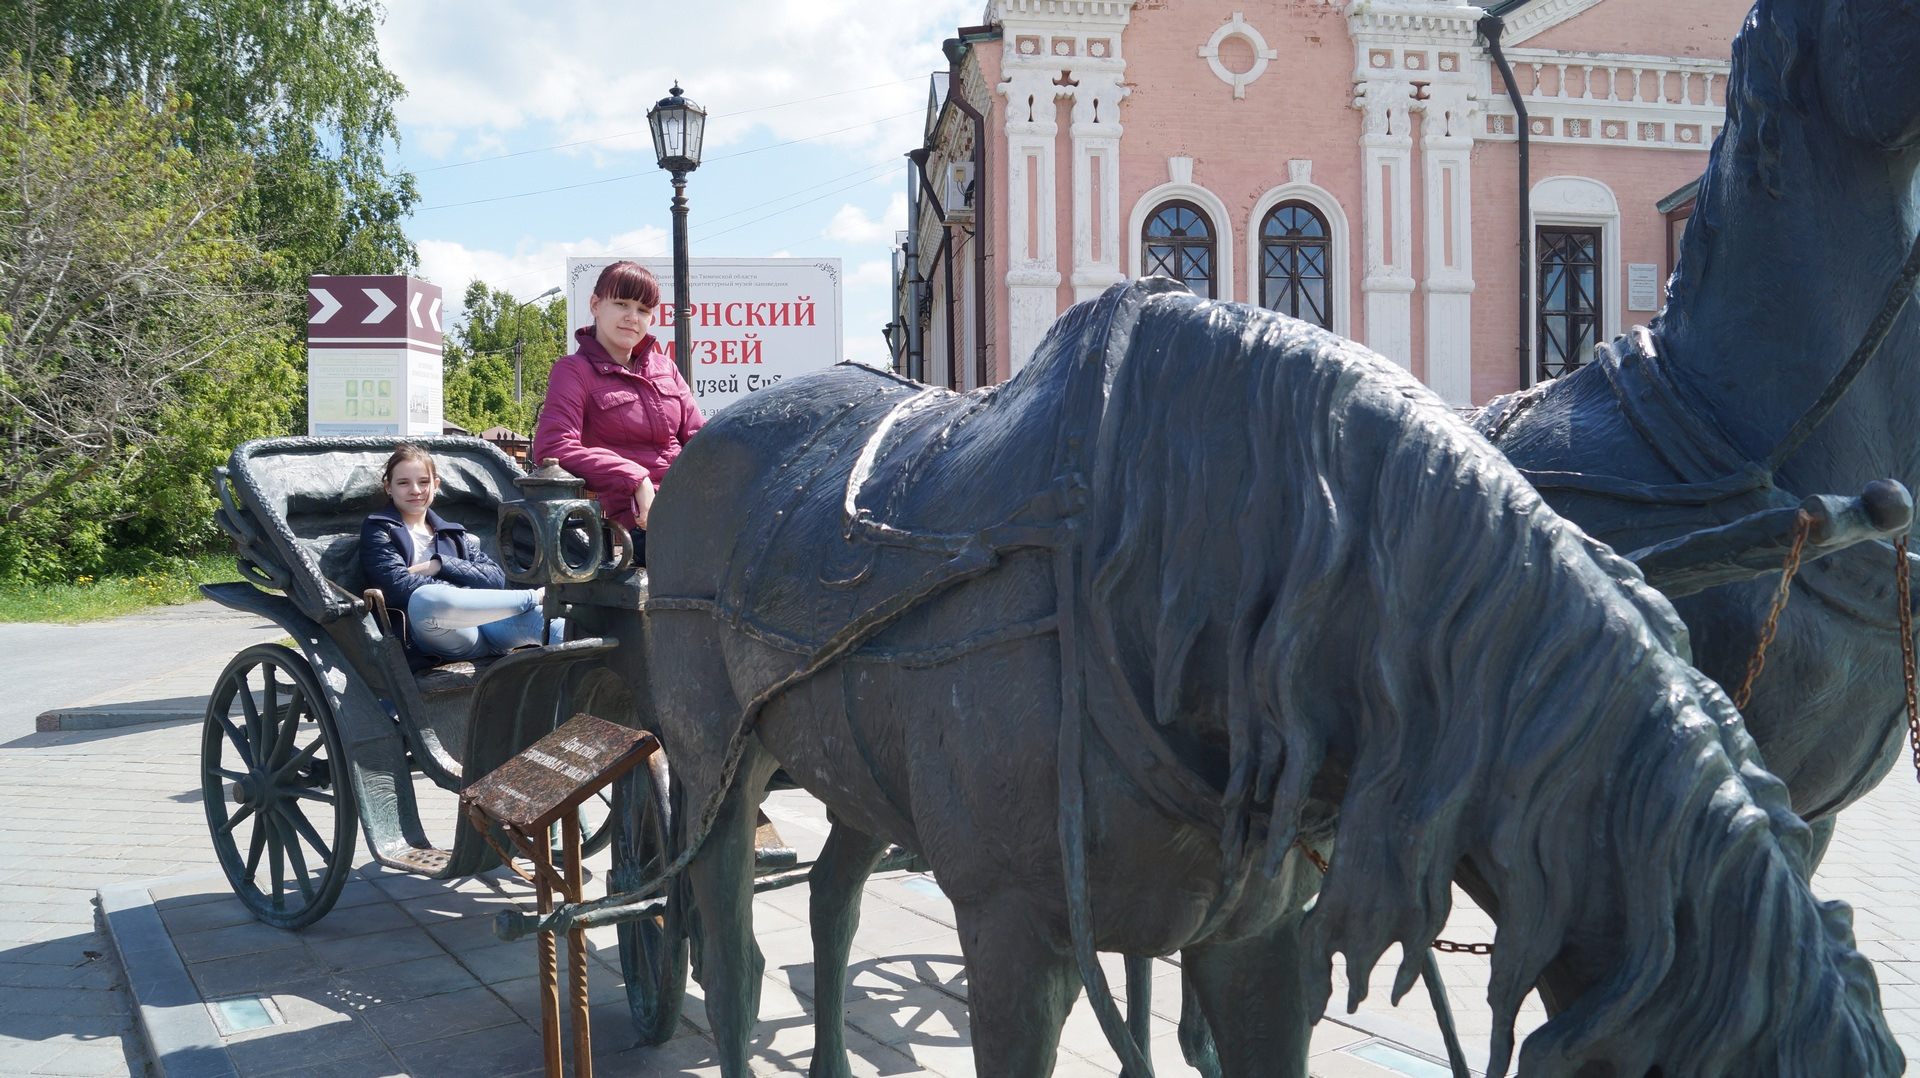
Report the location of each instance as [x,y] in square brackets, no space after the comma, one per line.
[756,320]
[1643,286]
[373,356]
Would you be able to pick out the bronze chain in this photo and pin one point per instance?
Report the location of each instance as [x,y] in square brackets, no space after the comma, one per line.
[1802,526]
[1904,574]
[1448,946]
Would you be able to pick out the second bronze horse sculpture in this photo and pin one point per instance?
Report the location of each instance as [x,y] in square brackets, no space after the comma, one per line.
[1202,587]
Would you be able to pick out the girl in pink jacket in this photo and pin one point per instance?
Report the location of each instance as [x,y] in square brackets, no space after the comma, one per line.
[617,411]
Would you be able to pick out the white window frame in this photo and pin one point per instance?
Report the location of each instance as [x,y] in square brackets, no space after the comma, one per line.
[1339,274]
[1575,202]
[1216,211]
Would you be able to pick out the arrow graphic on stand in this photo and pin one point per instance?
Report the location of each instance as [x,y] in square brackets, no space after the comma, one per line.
[382,306]
[328,306]
[433,313]
[413,307]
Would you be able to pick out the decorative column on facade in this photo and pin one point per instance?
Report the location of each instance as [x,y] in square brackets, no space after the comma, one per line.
[1446,153]
[1059,49]
[1033,261]
[1386,152]
[1418,56]
[1096,175]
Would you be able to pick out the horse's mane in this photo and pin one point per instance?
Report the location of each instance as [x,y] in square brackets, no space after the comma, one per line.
[1290,532]
[1771,82]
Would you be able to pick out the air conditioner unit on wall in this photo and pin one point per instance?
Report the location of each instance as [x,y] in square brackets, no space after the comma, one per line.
[958,200]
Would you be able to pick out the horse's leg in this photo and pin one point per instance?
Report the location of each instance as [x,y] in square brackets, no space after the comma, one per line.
[1196,1040]
[1139,1005]
[834,909]
[698,713]
[1251,997]
[1021,982]
[721,879]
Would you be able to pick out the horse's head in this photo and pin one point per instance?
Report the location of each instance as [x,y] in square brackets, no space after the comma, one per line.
[1869,78]
[1753,974]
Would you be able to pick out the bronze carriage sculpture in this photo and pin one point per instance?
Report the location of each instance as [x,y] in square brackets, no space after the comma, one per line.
[304,747]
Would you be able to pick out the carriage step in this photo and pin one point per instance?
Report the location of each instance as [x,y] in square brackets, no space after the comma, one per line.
[427,861]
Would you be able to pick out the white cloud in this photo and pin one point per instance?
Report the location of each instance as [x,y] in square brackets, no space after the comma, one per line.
[529,269]
[852,225]
[581,69]
[875,274]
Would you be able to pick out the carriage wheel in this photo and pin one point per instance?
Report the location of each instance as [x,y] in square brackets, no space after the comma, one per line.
[596,823]
[274,782]
[653,952]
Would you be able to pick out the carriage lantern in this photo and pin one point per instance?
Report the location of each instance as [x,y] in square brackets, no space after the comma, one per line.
[552,534]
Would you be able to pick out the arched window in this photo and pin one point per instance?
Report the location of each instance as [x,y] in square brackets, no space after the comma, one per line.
[1295,246]
[1178,241]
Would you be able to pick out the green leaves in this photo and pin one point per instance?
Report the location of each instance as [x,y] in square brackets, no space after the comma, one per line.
[171,171]
[479,360]
[132,313]
[296,85]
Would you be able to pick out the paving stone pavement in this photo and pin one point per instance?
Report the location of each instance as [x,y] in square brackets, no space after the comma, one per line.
[405,976]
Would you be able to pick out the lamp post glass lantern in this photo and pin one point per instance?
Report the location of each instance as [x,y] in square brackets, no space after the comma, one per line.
[679,128]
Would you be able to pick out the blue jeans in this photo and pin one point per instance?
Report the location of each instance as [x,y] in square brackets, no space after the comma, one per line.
[467,623]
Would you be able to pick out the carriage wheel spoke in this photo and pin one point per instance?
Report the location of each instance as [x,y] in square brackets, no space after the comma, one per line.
[296,860]
[253,850]
[233,821]
[254,734]
[276,856]
[299,760]
[239,740]
[230,776]
[289,726]
[270,714]
[291,810]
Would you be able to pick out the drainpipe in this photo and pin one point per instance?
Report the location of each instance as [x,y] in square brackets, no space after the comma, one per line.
[1490,28]
[953,343]
[957,95]
[916,179]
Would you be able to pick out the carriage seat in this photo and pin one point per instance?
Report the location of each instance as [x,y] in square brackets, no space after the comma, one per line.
[452,677]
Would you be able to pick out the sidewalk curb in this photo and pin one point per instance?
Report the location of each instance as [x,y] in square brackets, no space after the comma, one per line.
[173,1020]
[108,718]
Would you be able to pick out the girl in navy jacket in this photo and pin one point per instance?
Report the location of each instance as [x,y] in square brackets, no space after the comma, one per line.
[456,598]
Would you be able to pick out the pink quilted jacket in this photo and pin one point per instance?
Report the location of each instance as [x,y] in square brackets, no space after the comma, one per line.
[611,425]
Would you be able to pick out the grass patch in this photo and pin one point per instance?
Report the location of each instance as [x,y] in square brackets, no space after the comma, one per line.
[87,599]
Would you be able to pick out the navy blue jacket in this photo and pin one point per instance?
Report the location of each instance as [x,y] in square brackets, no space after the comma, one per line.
[386,549]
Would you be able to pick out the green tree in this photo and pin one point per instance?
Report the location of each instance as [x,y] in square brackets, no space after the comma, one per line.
[296,85]
[479,360]
[138,342]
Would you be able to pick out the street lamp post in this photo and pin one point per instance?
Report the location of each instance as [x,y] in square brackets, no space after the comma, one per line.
[519,343]
[679,127]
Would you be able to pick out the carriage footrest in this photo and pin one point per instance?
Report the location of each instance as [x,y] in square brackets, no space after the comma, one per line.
[428,861]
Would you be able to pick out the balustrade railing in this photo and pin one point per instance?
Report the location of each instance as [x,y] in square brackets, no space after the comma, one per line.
[1645,100]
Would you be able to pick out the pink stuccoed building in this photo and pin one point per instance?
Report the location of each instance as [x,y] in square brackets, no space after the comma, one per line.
[1358,167]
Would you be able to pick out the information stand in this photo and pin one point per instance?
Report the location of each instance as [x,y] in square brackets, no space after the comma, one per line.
[525,796]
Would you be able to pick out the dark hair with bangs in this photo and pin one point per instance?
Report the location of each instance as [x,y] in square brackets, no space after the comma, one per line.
[628,280]
[407,451]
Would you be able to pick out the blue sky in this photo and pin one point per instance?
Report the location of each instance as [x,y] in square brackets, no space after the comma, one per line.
[526,125]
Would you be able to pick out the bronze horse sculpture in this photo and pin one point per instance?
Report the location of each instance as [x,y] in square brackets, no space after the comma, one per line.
[1114,644]
[1736,400]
